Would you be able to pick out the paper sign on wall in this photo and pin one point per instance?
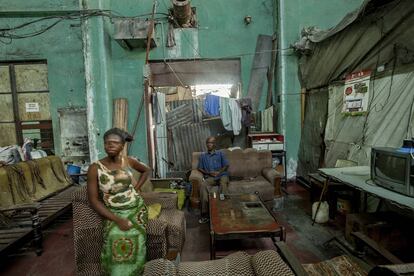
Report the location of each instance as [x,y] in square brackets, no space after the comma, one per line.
[32,107]
[356,93]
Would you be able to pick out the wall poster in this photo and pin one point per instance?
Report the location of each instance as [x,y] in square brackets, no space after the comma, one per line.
[356,93]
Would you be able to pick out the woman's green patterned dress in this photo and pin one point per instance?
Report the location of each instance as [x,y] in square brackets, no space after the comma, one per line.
[123,252]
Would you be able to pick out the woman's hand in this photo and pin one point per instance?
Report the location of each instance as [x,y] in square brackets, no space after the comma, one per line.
[124,224]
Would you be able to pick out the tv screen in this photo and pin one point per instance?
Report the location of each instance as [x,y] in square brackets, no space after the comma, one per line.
[390,168]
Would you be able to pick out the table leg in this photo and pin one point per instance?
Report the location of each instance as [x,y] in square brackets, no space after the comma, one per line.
[212,246]
[37,236]
[282,234]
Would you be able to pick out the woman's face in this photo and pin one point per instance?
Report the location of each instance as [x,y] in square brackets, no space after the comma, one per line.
[113,145]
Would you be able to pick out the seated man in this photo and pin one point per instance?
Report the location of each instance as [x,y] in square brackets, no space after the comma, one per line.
[213,164]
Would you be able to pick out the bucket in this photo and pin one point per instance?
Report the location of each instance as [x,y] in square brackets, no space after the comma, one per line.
[277,203]
[73,169]
[323,212]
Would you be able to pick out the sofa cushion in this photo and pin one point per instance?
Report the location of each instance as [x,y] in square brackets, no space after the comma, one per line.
[269,263]
[154,210]
[234,264]
[159,267]
[249,186]
[248,162]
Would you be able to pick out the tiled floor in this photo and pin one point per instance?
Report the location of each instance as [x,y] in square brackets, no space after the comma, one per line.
[306,241]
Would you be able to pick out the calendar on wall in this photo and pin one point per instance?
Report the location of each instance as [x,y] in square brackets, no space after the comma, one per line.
[356,93]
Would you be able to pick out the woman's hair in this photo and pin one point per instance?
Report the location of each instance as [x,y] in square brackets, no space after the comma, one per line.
[125,136]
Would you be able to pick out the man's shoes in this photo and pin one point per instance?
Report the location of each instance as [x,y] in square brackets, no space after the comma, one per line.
[203,220]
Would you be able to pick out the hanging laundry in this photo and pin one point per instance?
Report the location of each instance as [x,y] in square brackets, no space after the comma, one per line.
[212,105]
[246,109]
[267,120]
[225,113]
[236,116]
[257,118]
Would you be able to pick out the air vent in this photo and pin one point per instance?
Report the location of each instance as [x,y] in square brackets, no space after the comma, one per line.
[132,33]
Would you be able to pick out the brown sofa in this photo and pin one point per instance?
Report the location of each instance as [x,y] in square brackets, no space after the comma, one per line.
[263,263]
[164,234]
[250,171]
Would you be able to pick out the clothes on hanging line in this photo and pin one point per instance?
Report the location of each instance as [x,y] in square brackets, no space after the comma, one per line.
[230,114]
[236,116]
[267,120]
[212,105]
[225,113]
[246,109]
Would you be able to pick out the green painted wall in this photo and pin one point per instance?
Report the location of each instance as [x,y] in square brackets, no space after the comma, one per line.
[60,46]
[221,33]
[292,17]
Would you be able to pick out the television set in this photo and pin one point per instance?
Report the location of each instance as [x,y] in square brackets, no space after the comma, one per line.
[393,169]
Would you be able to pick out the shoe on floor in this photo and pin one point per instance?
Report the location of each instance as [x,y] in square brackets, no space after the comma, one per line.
[203,220]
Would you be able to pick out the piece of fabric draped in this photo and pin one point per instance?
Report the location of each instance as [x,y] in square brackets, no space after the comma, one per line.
[267,120]
[212,105]
[246,109]
[225,113]
[236,116]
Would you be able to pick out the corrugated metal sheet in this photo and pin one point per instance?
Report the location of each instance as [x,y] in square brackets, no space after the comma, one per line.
[190,138]
[181,115]
[186,140]
[196,105]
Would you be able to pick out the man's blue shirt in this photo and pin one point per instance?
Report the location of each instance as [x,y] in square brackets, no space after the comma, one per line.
[212,162]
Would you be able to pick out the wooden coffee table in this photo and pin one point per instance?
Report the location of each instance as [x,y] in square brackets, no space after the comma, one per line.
[241,217]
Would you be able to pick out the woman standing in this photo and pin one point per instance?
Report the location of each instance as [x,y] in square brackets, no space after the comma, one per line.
[110,179]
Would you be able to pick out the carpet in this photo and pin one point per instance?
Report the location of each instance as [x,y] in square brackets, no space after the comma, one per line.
[338,266]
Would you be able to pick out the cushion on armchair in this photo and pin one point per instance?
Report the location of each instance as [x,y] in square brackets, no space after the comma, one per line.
[234,264]
[249,186]
[269,263]
[160,267]
[154,210]
[180,195]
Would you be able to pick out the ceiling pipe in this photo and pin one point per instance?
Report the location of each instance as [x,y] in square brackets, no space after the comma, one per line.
[182,12]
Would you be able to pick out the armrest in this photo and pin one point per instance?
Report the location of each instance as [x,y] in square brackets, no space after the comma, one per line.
[80,195]
[274,177]
[196,178]
[290,259]
[30,207]
[196,175]
[167,200]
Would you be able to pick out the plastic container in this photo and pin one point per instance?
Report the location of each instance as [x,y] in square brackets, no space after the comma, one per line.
[278,203]
[323,213]
[73,169]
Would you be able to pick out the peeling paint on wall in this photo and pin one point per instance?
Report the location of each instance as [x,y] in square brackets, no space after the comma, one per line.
[90,114]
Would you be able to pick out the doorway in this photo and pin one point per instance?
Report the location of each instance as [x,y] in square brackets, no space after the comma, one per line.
[179,121]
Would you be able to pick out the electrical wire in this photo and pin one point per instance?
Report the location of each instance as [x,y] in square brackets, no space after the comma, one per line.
[10,32]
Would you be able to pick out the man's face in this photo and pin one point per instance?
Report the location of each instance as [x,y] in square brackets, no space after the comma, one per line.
[211,144]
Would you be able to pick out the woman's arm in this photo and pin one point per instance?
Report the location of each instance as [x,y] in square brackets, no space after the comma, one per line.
[97,205]
[143,169]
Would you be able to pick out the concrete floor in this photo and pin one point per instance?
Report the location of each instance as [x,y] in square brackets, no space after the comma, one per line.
[306,241]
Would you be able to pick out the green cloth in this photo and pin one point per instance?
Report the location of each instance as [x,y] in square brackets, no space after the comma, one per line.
[180,195]
[124,252]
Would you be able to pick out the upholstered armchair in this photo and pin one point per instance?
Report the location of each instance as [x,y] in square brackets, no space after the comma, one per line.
[164,234]
[263,263]
[250,171]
